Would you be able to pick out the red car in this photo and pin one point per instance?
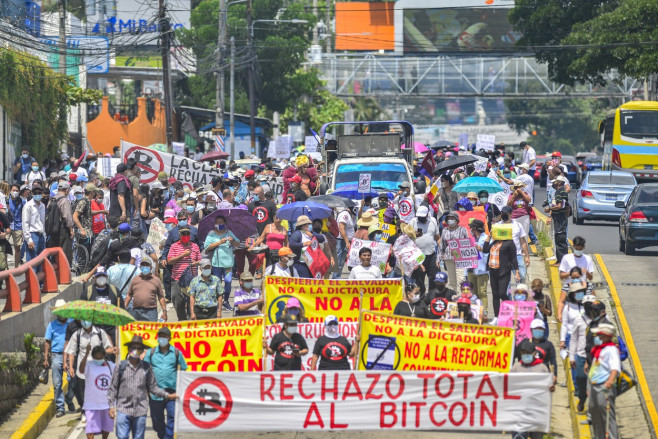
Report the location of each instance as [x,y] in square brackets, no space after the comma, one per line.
[540,160]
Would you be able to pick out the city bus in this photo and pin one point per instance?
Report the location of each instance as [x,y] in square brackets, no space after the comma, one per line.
[629,137]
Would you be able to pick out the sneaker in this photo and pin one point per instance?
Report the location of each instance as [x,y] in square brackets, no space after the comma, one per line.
[59,413]
[227,306]
[83,419]
[534,242]
[71,407]
[494,321]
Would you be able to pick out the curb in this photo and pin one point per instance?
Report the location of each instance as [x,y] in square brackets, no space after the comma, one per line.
[38,419]
[579,421]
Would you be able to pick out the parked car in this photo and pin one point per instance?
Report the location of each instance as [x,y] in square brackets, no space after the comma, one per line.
[581,157]
[592,163]
[540,160]
[596,198]
[574,173]
[638,224]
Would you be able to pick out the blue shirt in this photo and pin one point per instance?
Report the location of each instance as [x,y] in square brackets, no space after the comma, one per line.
[164,367]
[118,275]
[483,258]
[16,210]
[56,333]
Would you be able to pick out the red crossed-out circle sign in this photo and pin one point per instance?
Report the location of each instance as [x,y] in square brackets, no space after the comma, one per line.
[213,399]
[405,207]
[148,160]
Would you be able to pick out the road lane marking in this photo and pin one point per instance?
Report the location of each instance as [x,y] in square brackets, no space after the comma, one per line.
[628,338]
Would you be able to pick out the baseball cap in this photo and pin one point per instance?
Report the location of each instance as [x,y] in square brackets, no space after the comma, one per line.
[73,177]
[157,185]
[82,178]
[77,190]
[90,187]
[441,277]
[293,303]
[330,320]
[537,323]
[250,173]
[205,262]
[556,154]
[122,167]
[64,185]
[422,211]
[285,251]
[124,228]
[523,166]
[164,331]
[100,271]
[162,175]
[405,184]
[169,213]
[246,276]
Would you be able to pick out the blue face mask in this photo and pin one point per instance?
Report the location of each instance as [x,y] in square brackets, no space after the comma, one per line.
[35,168]
[527,358]
[597,341]
[220,226]
[378,236]
[248,285]
[190,209]
[98,362]
[538,333]
[182,223]
[519,297]
[37,197]
[78,196]
[86,324]
[162,341]
[169,226]
[579,296]
[145,270]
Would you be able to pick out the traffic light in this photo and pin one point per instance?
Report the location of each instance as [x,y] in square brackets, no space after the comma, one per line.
[533,132]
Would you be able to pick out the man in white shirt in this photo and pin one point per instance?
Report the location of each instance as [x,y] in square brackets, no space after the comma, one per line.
[345,235]
[577,259]
[529,156]
[365,271]
[527,180]
[34,216]
[284,267]
[404,203]
[427,234]
[34,174]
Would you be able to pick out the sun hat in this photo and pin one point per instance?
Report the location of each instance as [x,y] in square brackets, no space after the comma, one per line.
[302,220]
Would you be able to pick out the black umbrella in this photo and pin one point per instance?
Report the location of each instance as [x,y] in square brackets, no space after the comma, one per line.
[441,144]
[333,201]
[455,162]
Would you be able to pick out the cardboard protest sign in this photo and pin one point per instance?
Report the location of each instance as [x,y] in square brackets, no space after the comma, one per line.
[311,332]
[517,315]
[320,297]
[380,252]
[486,142]
[464,253]
[316,260]
[405,343]
[388,230]
[157,234]
[299,401]
[364,183]
[408,254]
[152,162]
[465,218]
[228,345]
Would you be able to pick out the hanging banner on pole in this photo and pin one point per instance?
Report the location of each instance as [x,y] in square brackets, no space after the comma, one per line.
[229,345]
[320,297]
[405,343]
[152,162]
[375,400]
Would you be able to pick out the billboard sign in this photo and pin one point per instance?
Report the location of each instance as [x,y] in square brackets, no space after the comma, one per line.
[95,51]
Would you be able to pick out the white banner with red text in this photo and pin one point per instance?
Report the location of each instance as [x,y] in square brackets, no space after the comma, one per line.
[374,400]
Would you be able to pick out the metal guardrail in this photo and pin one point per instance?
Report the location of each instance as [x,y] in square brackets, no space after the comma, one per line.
[55,270]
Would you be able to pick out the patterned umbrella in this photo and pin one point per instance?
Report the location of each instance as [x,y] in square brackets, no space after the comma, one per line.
[97,313]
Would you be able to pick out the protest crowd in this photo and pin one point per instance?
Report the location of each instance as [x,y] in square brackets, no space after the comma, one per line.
[459,255]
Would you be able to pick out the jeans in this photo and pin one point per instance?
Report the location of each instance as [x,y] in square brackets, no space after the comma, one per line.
[181,301]
[57,367]
[73,384]
[225,275]
[581,378]
[341,255]
[39,244]
[531,234]
[158,410]
[145,314]
[522,268]
[130,424]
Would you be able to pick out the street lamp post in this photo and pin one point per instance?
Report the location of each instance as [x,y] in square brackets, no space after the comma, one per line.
[251,70]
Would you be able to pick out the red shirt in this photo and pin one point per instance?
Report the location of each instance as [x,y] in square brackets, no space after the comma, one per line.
[98,220]
[177,249]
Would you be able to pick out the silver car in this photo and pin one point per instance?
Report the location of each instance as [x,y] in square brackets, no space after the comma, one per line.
[595,199]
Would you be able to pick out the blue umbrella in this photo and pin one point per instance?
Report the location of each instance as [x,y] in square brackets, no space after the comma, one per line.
[311,209]
[351,191]
[477,184]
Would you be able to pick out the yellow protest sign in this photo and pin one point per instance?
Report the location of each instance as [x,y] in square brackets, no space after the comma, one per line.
[387,229]
[403,343]
[321,297]
[222,345]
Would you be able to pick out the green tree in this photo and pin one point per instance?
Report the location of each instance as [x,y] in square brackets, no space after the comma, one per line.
[581,41]
[567,125]
[367,108]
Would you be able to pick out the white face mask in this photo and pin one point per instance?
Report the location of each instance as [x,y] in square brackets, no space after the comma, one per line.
[101,281]
[290,262]
[14,194]
[331,331]
[451,222]
[292,330]
[578,253]
[206,272]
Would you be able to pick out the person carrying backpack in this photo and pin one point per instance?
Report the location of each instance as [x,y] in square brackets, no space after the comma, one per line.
[165,360]
[132,381]
[59,221]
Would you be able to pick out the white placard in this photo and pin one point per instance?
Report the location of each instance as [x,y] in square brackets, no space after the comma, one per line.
[282,148]
[486,142]
[380,253]
[311,144]
[408,254]
[366,400]
[364,183]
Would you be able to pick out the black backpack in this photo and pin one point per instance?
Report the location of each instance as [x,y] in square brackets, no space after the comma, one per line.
[53,220]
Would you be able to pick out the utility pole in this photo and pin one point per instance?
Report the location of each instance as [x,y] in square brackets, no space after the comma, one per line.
[315,28]
[328,31]
[232,99]
[250,78]
[62,37]
[219,91]
[166,74]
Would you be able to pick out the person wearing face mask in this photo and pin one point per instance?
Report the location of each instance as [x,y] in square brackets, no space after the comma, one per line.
[577,259]
[544,302]
[502,262]
[98,212]
[101,291]
[427,235]
[576,275]
[301,238]
[573,311]
[145,291]
[184,256]
[343,240]
[287,346]
[333,349]
[35,173]
[97,369]
[248,301]
[82,216]
[205,294]
[275,236]
[284,266]
[605,368]
[452,231]
[33,219]
[120,194]
[76,350]
[411,304]
[540,339]
[263,209]
[327,227]
[446,195]
[404,203]
[222,242]
[519,237]
[294,310]
[464,311]
[53,355]
[492,211]
[577,350]
[16,203]
[22,165]
[66,231]
[165,361]
[558,210]
[128,395]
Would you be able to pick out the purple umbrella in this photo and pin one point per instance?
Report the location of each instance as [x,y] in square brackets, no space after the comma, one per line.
[239,221]
[418,147]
